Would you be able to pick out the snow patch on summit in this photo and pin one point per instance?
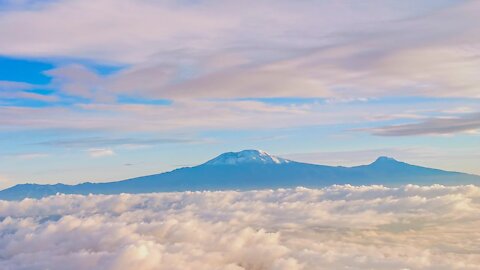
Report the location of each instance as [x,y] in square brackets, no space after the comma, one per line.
[246,157]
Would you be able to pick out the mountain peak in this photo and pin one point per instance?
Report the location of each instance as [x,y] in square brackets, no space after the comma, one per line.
[246,157]
[385,160]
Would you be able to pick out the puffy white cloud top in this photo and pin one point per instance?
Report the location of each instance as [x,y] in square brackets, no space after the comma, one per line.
[339,227]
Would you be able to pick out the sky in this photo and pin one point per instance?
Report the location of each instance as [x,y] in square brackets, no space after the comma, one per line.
[112,89]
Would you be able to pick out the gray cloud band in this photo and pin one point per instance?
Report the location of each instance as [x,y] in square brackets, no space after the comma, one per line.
[435,126]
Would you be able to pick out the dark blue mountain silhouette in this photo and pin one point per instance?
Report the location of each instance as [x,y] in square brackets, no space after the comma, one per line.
[254,169]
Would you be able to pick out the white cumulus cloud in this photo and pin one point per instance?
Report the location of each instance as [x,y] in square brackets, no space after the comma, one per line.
[339,227]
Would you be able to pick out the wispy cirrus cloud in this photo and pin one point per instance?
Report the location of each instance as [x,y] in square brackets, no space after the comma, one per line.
[14,86]
[12,90]
[124,33]
[224,57]
[29,156]
[466,123]
[198,115]
[108,141]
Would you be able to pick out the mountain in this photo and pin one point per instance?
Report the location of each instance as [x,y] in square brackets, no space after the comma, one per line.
[255,169]
[246,157]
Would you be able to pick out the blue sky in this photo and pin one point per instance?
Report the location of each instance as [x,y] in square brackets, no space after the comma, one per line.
[107,90]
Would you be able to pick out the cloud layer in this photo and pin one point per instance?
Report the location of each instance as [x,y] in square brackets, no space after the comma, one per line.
[203,56]
[340,227]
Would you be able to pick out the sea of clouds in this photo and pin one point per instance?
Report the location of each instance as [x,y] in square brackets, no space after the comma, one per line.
[339,227]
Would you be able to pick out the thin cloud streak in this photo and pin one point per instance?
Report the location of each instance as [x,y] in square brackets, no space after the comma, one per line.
[106,141]
[100,152]
[467,123]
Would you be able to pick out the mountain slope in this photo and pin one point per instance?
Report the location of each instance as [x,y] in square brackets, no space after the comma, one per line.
[254,169]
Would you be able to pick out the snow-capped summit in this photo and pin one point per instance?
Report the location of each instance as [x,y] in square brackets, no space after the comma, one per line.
[246,157]
[385,159]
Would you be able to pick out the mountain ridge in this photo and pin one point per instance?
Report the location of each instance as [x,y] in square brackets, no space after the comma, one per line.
[254,169]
